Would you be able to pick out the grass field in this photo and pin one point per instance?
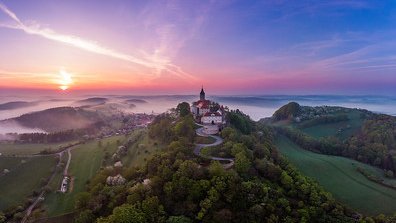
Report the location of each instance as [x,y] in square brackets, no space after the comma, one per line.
[142,150]
[8,149]
[10,163]
[381,175]
[332,129]
[55,182]
[86,161]
[23,179]
[339,176]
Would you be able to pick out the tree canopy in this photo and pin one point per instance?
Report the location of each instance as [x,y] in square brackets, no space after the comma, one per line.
[290,110]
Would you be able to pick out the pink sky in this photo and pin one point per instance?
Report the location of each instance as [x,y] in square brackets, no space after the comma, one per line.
[175,47]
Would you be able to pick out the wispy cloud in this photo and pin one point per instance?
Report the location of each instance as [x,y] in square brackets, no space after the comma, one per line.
[289,10]
[5,74]
[158,64]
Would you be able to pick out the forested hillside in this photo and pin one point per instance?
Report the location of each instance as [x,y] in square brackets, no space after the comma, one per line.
[176,186]
[373,141]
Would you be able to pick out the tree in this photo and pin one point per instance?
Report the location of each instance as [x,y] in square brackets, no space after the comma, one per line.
[85,216]
[82,200]
[183,109]
[286,180]
[242,163]
[2,217]
[178,219]
[185,128]
[240,121]
[229,133]
[125,214]
[389,173]
[287,111]
[216,169]
[153,210]
[160,128]
[238,148]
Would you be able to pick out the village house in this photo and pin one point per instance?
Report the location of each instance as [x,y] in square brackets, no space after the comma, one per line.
[64,184]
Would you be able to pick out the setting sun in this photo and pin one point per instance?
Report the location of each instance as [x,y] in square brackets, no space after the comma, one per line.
[63,87]
[65,80]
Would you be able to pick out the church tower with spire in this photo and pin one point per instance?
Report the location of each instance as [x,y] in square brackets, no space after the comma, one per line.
[202,94]
[209,113]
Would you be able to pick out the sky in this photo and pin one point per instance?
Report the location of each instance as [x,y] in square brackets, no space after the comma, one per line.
[175,47]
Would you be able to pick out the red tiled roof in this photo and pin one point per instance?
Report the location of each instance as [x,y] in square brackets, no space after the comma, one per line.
[202,103]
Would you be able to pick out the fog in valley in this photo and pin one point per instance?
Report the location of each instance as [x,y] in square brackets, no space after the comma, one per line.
[255,106]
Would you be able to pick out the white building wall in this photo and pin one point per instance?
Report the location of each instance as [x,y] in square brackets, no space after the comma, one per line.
[203,111]
[194,110]
[209,119]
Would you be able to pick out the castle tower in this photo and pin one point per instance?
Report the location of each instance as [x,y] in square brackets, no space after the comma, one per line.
[202,94]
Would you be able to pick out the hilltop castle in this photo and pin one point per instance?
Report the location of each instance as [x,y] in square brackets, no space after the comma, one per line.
[206,111]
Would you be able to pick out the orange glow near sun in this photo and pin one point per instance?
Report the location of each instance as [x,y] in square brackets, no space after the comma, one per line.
[65,80]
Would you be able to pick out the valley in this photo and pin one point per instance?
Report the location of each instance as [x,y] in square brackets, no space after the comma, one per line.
[339,176]
[124,143]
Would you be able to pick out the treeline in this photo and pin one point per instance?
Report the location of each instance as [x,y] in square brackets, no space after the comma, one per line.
[357,147]
[63,136]
[327,145]
[325,119]
[176,186]
[166,128]
[377,179]
[240,121]
[375,143]
[287,111]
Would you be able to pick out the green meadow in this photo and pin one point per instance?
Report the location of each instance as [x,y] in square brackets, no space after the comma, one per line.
[87,160]
[342,129]
[142,150]
[339,176]
[24,177]
[10,149]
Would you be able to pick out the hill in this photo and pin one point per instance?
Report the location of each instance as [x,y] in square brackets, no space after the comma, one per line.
[176,186]
[354,133]
[137,101]
[287,111]
[334,173]
[91,101]
[58,119]
[16,104]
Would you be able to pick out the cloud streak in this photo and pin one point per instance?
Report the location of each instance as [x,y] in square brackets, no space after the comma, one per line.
[152,62]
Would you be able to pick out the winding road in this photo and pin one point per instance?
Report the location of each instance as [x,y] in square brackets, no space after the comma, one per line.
[40,197]
[65,171]
[219,140]
[42,194]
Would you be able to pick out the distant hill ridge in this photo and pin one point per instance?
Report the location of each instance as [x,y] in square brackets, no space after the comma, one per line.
[91,101]
[58,119]
[135,101]
[16,104]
